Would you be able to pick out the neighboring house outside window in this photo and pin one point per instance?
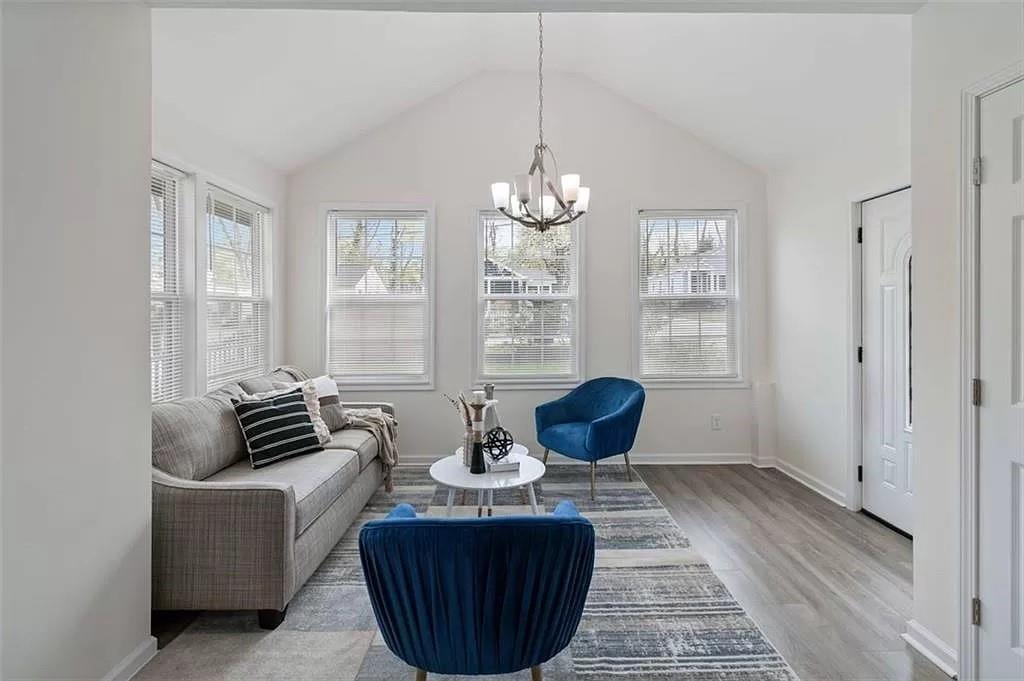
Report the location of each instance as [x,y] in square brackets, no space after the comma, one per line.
[167,302]
[688,296]
[528,313]
[379,328]
[237,300]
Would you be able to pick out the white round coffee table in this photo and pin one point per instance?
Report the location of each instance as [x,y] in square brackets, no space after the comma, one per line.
[450,472]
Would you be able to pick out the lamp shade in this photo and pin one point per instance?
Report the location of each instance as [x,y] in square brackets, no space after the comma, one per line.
[583,200]
[523,187]
[500,196]
[570,186]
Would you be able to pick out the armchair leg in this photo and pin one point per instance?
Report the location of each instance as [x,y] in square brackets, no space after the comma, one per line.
[271,619]
[629,471]
[421,675]
[536,674]
[545,455]
[593,479]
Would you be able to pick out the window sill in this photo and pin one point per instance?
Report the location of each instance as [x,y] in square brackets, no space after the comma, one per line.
[694,384]
[379,387]
[513,384]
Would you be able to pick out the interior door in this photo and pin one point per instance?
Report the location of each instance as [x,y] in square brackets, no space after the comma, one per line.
[1001,370]
[888,451]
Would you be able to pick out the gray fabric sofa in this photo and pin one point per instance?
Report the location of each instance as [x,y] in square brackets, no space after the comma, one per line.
[227,537]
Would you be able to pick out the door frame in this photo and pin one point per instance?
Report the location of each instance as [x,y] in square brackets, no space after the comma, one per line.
[968,253]
[855,368]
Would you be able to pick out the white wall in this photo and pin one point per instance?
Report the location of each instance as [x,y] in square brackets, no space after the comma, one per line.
[188,146]
[446,152]
[811,338]
[76,492]
[954,46]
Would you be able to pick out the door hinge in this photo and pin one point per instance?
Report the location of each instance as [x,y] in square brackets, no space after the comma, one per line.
[860,473]
[976,611]
[860,354]
[976,171]
[860,235]
[976,392]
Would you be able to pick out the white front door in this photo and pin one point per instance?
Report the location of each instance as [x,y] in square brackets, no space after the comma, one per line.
[1001,371]
[886,314]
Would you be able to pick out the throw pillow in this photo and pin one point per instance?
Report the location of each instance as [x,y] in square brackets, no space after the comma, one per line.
[323,433]
[332,411]
[276,427]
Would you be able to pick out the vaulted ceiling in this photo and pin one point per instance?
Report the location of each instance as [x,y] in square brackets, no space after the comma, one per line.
[288,86]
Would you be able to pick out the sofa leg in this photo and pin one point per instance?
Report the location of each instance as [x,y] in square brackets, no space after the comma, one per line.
[271,619]
[593,480]
[421,675]
[545,455]
[536,674]
[629,471]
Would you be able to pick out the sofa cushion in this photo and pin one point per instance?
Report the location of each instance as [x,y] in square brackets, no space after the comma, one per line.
[360,441]
[193,438]
[318,480]
[263,384]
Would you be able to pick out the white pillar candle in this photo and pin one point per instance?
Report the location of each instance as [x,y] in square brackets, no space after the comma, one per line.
[570,186]
[583,200]
[499,194]
[523,188]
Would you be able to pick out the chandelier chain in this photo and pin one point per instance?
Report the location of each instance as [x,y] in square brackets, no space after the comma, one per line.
[540,78]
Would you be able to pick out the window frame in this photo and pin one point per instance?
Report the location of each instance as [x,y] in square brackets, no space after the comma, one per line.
[381,381]
[210,187]
[738,211]
[183,190]
[537,381]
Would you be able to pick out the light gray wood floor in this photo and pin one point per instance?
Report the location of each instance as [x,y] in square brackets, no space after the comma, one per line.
[831,589]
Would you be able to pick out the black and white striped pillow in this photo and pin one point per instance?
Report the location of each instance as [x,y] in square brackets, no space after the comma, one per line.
[276,427]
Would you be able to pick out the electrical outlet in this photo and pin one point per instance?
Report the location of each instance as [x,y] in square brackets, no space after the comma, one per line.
[716,422]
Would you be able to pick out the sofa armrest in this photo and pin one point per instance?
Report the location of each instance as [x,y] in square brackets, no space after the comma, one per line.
[386,407]
[222,545]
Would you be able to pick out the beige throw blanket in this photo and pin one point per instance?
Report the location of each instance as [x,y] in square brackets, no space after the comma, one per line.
[385,429]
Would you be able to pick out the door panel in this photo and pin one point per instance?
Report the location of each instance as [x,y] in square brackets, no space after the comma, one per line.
[1001,363]
[888,451]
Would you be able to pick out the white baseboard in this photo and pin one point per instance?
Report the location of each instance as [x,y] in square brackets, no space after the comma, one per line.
[931,646]
[807,480]
[635,458]
[136,660]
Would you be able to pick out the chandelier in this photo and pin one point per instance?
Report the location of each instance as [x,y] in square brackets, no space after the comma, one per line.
[550,207]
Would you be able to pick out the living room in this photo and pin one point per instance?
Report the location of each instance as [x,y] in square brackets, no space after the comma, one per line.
[683,399]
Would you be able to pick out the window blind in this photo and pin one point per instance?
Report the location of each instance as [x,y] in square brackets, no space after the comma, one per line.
[166,302]
[378,297]
[237,304]
[528,293]
[688,295]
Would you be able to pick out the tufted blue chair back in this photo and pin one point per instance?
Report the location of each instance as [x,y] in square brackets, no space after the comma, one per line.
[478,595]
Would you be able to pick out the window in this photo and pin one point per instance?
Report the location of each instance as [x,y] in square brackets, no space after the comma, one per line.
[688,295]
[528,307]
[237,306]
[166,301]
[379,320]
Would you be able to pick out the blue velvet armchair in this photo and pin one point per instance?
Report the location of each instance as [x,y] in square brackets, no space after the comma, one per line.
[596,420]
[477,595]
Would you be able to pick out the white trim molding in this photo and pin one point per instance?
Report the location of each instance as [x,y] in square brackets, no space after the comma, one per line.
[635,458]
[931,646]
[834,495]
[133,663]
[967,254]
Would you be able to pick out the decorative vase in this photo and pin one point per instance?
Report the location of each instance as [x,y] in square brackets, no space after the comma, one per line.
[467,448]
[476,463]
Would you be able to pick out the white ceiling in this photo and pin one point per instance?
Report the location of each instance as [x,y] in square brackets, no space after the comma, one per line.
[290,85]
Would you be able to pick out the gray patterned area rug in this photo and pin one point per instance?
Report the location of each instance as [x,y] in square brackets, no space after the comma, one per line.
[655,610]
